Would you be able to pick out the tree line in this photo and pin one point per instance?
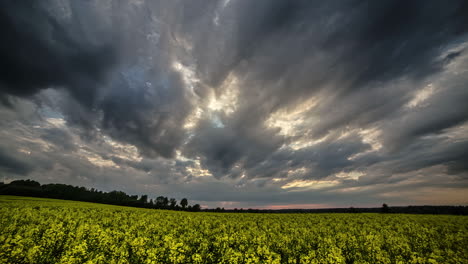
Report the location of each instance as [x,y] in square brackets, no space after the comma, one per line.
[69,192]
[75,193]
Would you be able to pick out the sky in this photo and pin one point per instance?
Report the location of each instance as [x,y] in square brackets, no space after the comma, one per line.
[239,103]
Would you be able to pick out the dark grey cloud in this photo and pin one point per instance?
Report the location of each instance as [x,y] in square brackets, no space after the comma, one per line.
[133,115]
[130,100]
[59,138]
[355,55]
[12,164]
[323,159]
[244,96]
[40,51]
[389,38]
[424,153]
[241,144]
[446,109]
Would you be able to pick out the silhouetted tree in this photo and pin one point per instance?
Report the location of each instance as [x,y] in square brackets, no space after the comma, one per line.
[173,203]
[29,183]
[144,199]
[165,203]
[160,202]
[184,203]
[385,208]
[196,208]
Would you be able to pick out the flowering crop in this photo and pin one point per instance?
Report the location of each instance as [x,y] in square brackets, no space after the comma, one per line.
[34,230]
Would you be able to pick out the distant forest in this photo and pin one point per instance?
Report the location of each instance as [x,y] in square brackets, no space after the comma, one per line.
[69,192]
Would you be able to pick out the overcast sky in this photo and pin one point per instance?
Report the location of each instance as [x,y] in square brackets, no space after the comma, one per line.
[239,103]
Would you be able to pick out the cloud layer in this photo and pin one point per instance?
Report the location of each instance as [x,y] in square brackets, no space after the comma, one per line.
[239,103]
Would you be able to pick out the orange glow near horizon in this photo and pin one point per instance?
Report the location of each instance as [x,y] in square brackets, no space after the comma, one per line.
[298,206]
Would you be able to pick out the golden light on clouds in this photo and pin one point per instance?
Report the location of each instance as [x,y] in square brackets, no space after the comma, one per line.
[298,171]
[353,175]
[197,171]
[96,159]
[227,98]
[457,133]
[189,76]
[291,120]
[56,122]
[421,96]
[123,151]
[224,100]
[310,184]
[25,151]
[369,136]
[193,118]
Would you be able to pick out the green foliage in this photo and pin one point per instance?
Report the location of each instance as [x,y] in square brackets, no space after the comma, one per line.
[68,192]
[34,230]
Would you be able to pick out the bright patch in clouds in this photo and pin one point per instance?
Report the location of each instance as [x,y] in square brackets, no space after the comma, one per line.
[226,100]
[96,159]
[293,120]
[301,185]
[421,96]
[56,122]
[188,74]
[196,170]
[353,175]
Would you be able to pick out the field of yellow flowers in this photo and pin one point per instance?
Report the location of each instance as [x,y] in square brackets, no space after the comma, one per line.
[34,230]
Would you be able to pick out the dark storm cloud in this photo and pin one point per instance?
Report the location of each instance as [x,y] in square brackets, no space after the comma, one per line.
[361,57]
[142,165]
[275,39]
[12,164]
[60,138]
[39,51]
[284,51]
[315,162]
[140,117]
[444,110]
[430,152]
[224,147]
[144,102]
